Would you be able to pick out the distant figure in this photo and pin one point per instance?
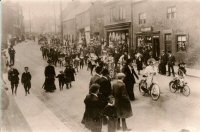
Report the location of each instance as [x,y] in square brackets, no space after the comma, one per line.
[11,52]
[163,63]
[49,84]
[61,79]
[171,63]
[13,77]
[26,80]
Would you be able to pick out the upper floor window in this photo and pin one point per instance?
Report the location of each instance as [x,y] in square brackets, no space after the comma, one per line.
[122,13]
[181,42]
[171,12]
[142,18]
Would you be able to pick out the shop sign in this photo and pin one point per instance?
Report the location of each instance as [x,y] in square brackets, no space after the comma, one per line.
[146,29]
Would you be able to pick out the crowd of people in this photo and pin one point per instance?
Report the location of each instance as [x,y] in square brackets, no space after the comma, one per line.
[111,88]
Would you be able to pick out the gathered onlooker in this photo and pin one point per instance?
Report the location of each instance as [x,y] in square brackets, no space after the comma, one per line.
[92,116]
[94,78]
[122,101]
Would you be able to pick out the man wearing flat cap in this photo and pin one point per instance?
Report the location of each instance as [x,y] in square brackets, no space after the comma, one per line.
[122,101]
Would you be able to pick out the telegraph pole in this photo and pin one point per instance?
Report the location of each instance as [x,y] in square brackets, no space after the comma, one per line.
[55,18]
[61,23]
[131,45]
[29,21]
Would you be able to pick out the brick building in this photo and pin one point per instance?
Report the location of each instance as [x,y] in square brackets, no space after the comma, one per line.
[117,22]
[83,20]
[167,25]
[13,23]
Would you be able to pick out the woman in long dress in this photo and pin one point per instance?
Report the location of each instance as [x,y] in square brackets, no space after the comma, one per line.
[49,84]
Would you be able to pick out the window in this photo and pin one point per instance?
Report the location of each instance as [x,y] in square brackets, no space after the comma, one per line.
[171,12]
[168,42]
[142,18]
[122,13]
[181,42]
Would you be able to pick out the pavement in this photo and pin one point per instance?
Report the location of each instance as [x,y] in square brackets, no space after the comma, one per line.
[63,110]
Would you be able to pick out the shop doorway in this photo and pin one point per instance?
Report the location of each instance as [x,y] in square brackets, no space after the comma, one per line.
[156,47]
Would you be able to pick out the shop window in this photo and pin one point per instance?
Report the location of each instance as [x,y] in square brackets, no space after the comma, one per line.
[181,42]
[168,42]
[142,18]
[171,12]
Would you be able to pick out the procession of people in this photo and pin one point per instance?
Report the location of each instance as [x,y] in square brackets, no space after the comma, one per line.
[111,88]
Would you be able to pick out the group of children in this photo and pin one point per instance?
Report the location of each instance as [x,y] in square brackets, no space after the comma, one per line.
[66,77]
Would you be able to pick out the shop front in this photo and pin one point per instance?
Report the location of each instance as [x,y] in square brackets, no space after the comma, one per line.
[149,39]
[118,34]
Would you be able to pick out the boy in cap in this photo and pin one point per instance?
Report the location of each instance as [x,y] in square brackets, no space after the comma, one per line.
[26,80]
[110,112]
[61,79]
[13,77]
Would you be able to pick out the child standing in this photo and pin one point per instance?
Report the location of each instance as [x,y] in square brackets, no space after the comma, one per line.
[111,114]
[26,80]
[61,79]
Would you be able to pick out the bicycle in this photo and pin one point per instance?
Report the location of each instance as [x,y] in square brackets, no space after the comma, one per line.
[176,84]
[153,90]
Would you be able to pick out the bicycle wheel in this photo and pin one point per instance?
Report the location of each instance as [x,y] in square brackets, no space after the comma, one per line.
[155,92]
[172,87]
[142,87]
[186,90]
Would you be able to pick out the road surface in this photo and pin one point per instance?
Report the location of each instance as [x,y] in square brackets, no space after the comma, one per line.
[63,110]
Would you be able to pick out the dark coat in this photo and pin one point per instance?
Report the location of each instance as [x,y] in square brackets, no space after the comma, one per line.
[171,60]
[67,75]
[139,63]
[26,79]
[92,116]
[61,77]
[129,75]
[13,76]
[49,71]
[105,90]
[122,101]
[11,52]
[49,84]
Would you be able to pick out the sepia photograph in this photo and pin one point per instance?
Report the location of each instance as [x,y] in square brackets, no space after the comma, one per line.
[100,66]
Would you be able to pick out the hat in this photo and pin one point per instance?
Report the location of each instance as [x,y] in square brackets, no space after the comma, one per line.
[94,88]
[120,75]
[105,72]
[98,69]
[48,61]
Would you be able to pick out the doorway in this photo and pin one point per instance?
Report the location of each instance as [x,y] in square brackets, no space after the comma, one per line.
[156,47]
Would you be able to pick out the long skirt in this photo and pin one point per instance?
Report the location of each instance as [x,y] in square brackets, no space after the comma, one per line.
[49,84]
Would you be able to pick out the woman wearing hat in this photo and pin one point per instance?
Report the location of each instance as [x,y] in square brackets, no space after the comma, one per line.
[50,74]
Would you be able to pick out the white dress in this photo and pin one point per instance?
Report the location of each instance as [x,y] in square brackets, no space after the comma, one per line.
[150,72]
